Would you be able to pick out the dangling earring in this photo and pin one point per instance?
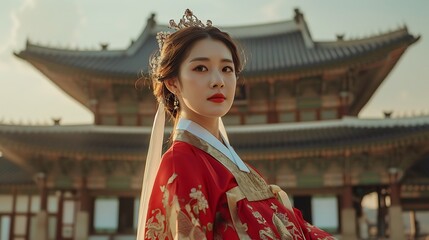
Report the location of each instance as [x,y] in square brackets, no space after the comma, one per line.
[175,103]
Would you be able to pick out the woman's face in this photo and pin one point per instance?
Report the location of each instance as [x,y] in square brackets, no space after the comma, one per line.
[207,81]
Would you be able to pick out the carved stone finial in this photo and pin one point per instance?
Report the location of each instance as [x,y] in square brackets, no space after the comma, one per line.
[56,121]
[151,20]
[340,37]
[104,46]
[387,114]
[298,15]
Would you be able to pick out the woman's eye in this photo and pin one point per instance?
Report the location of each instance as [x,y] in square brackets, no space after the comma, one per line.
[228,69]
[200,68]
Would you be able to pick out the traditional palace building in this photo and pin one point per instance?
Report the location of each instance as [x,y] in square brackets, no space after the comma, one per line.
[294,118]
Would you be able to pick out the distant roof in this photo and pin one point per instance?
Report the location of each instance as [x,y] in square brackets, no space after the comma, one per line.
[123,140]
[278,47]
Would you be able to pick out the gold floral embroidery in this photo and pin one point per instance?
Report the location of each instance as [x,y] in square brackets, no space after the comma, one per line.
[177,224]
[284,233]
[310,228]
[267,233]
[284,226]
[258,216]
[202,203]
[187,229]
[156,229]
[210,227]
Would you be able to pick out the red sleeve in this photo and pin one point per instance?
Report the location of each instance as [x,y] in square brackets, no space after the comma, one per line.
[310,231]
[179,204]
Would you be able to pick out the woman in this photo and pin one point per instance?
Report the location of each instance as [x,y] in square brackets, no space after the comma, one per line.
[203,190]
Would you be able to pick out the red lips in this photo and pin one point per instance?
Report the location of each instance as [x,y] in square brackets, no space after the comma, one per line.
[217,98]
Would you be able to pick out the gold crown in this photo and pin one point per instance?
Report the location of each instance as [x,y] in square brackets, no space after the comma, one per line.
[188,20]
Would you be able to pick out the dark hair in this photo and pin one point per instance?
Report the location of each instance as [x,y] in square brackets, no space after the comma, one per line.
[175,49]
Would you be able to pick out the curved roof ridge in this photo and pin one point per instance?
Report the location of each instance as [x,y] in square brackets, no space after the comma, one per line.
[290,40]
[263,29]
[250,30]
[354,122]
[236,31]
[30,47]
[403,31]
[151,28]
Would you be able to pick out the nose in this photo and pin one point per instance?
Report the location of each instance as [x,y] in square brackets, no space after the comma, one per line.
[217,80]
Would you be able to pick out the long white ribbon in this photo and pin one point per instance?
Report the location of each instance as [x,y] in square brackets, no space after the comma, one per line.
[153,161]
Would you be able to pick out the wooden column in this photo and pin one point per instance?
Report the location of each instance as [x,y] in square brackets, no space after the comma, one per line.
[59,227]
[273,116]
[42,215]
[347,197]
[413,225]
[12,217]
[396,225]
[94,106]
[43,196]
[119,120]
[395,198]
[381,212]
[344,108]
[82,216]
[346,85]
[139,120]
[84,195]
[348,213]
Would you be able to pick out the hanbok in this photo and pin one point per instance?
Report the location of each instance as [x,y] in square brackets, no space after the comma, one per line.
[204,191]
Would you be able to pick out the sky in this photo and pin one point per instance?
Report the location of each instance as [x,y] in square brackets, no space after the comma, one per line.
[28,97]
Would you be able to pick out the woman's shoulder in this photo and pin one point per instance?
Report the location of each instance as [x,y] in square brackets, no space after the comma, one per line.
[180,152]
[179,148]
[182,159]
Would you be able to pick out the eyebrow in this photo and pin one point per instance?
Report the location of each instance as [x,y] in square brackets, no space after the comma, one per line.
[207,59]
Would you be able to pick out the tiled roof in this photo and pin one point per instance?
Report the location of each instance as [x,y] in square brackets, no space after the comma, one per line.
[331,134]
[291,136]
[123,140]
[288,52]
[270,48]
[79,138]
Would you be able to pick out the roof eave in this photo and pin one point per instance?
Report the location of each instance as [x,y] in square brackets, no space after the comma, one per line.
[373,86]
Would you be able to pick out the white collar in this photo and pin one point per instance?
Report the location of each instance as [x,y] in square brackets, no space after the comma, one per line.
[197,130]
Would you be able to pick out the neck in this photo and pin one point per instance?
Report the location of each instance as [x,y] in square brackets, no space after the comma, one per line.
[210,124]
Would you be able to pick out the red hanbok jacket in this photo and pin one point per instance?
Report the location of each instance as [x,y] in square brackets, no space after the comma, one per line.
[199,193]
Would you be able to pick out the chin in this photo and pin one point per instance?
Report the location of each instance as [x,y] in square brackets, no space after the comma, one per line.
[216,114]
